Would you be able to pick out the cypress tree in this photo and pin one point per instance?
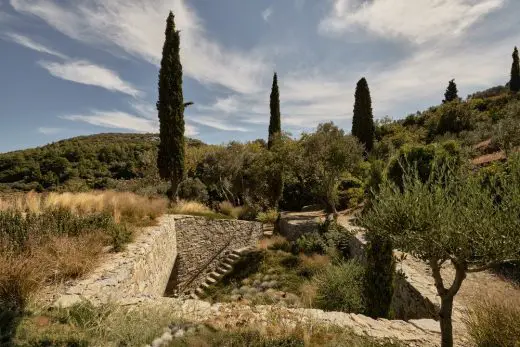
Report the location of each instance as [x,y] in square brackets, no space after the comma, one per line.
[170,160]
[514,84]
[275,129]
[363,120]
[451,92]
[275,126]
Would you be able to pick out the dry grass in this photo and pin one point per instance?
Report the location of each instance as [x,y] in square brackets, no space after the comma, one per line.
[267,243]
[227,208]
[127,206]
[495,321]
[190,207]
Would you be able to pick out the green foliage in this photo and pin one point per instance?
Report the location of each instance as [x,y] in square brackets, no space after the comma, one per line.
[379,275]
[193,189]
[17,229]
[507,131]
[311,243]
[362,122]
[455,117]
[423,158]
[340,288]
[170,160]
[451,92]
[514,83]
[275,127]
[269,217]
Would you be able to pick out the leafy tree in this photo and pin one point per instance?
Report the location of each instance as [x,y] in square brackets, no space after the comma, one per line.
[326,155]
[275,126]
[170,160]
[514,83]
[451,92]
[450,220]
[363,120]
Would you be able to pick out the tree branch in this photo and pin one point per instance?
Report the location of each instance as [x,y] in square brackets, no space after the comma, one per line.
[460,275]
[489,265]
[436,272]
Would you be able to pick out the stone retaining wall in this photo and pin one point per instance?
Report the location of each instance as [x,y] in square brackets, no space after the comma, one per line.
[202,244]
[142,269]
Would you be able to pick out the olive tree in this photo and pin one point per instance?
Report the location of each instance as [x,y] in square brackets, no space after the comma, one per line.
[451,220]
[327,154]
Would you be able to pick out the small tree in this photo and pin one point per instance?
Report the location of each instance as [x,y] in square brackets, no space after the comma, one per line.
[363,121]
[451,92]
[450,219]
[514,83]
[327,154]
[275,127]
[170,160]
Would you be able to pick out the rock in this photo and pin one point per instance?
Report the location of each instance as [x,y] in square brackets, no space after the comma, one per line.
[180,333]
[67,301]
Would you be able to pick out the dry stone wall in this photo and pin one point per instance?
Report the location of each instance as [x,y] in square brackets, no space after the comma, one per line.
[142,269]
[203,243]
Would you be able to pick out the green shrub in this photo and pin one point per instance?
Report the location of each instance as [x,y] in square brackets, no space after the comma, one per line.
[311,243]
[340,288]
[270,216]
[193,190]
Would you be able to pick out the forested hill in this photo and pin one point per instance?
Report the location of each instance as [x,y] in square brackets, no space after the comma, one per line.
[82,162]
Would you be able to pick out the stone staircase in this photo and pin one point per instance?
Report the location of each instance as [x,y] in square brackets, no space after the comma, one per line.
[268,230]
[223,268]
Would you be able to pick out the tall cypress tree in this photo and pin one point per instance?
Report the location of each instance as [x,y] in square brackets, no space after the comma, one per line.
[170,160]
[514,84]
[275,126]
[363,120]
[451,92]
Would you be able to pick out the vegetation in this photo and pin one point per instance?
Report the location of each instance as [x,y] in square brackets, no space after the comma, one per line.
[451,93]
[514,83]
[362,121]
[494,321]
[475,232]
[170,160]
[275,127]
[85,325]
[48,239]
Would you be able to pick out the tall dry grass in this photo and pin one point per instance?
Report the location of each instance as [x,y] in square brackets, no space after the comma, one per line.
[121,205]
[494,320]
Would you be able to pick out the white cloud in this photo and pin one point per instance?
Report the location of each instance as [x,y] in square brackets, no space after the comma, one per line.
[49,131]
[123,120]
[145,110]
[216,123]
[137,27]
[267,13]
[418,21]
[31,44]
[84,72]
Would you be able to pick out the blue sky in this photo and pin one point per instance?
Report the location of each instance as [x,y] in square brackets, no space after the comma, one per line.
[72,68]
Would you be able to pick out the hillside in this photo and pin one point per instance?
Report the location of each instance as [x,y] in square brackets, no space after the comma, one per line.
[84,162]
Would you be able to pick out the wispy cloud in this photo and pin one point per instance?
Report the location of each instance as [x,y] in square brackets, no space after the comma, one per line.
[84,72]
[216,123]
[266,14]
[50,131]
[31,44]
[122,120]
[418,21]
[137,28]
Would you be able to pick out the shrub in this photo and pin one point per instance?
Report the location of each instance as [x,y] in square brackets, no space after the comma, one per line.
[311,243]
[340,288]
[270,216]
[495,322]
[193,189]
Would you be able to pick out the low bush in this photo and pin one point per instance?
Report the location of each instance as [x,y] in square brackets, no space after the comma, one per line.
[495,321]
[340,288]
[268,217]
[193,189]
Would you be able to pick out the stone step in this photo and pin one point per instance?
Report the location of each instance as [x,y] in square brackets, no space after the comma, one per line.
[211,280]
[205,285]
[194,296]
[221,270]
[233,256]
[215,275]
[226,266]
[199,291]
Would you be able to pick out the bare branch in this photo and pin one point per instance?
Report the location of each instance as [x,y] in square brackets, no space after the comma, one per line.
[436,272]
[489,265]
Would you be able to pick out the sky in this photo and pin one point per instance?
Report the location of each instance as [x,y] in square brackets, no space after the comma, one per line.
[71,67]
